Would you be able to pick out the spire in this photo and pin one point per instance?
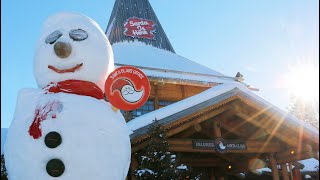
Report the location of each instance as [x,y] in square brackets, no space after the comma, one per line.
[135,20]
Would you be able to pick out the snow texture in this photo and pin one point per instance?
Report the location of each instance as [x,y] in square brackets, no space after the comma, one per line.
[307,176]
[182,167]
[95,139]
[139,54]
[95,52]
[309,165]
[180,77]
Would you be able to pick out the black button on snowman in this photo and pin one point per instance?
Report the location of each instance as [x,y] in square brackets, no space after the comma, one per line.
[55,167]
[53,139]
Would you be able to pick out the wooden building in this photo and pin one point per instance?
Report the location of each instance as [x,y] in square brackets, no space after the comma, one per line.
[214,122]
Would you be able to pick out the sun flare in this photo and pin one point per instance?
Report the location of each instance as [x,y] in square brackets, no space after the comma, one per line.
[303,81]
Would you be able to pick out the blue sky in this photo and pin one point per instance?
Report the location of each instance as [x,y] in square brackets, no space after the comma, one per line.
[261,39]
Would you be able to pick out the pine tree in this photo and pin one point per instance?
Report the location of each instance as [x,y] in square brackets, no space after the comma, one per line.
[156,161]
[305,111]
[3,169]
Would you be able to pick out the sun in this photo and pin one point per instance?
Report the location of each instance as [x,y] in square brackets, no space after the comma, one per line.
[303,81]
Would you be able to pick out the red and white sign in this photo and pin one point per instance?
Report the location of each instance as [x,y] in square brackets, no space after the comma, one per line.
[127,88]
[138,27]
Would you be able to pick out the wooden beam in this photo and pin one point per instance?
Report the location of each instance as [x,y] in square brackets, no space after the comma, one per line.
[271,128]
[182,82]
[179,128]
[302,156]
[216,129]
[290,171]
[258,134]
[290,152]
[270,123]
[234,129]
[212,174]
[156,96]
[185,145]
[284,171]
[294,127]
[190,131]
[273,162]
[197,120]
[183,94]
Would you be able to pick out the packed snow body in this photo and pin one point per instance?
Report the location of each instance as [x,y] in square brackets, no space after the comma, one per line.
[94,140]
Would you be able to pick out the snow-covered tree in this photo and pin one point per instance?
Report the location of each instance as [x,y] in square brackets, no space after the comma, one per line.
[3,169]
[156,162]
[306,111]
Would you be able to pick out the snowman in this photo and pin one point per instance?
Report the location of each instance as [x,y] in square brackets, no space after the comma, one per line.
[65,130]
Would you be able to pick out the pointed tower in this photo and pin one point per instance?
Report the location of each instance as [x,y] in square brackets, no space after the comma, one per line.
[135,20]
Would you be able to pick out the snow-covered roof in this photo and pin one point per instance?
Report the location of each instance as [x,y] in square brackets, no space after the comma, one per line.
[142,55]
[309,165]
[213,95]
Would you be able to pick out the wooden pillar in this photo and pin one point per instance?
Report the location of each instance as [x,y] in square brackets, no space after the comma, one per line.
[212,175]
[273,162]
[183,94]
[156,99]
[216,129]
[133,166]
[284,171]
[290,170]
[316,155]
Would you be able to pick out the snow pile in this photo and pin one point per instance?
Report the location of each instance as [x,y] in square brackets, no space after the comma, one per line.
[139,54]
[309,164]
[179,76]
[182,167]
[307,176]
[140,172]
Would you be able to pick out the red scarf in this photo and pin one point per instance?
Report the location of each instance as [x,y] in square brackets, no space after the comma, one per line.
[78,87]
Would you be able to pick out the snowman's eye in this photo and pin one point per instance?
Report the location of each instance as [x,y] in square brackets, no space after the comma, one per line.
[78,34]
[53,37]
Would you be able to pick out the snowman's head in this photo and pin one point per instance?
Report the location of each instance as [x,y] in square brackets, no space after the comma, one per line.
[72,46]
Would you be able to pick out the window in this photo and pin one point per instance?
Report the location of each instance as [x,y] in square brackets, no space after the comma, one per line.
[147,107]
[164,103]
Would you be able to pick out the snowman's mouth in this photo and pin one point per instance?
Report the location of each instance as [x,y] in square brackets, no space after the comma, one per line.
[65,70]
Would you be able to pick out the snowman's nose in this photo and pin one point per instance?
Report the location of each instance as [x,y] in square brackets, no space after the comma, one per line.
[62,49]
